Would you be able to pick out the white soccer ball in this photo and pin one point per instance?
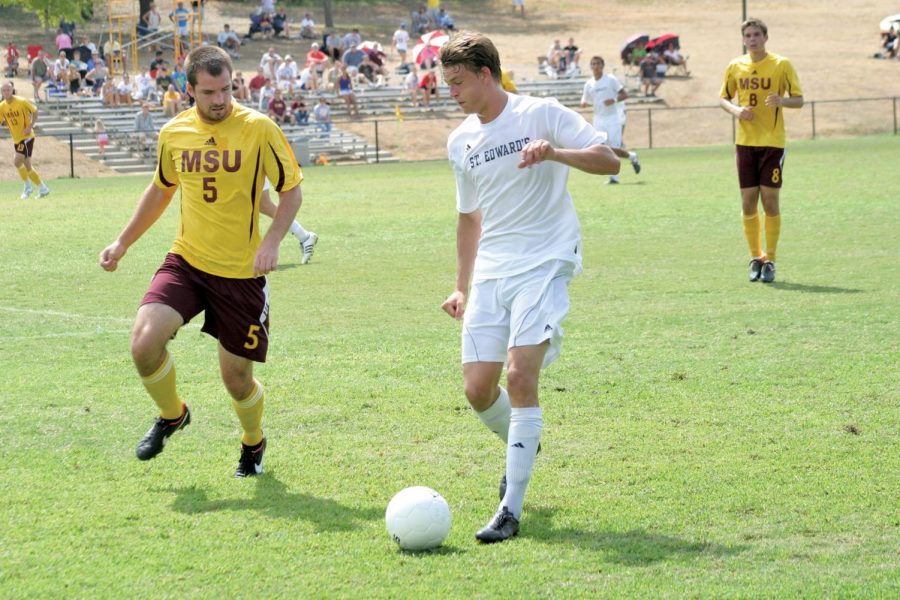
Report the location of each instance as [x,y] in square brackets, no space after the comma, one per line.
[418,518]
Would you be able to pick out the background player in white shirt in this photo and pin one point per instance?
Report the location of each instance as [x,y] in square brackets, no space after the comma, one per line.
[606,94]
[306,238]
[518,241]
[401,42]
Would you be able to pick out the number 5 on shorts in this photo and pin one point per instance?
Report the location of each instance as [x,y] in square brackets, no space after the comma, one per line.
[252,339]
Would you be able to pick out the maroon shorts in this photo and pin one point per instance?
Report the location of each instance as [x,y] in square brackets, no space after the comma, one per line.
[25,147]
[237,310]
[760,165]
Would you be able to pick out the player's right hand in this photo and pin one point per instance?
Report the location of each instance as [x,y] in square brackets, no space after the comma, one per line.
[746,113]
[111,255]
[455,304]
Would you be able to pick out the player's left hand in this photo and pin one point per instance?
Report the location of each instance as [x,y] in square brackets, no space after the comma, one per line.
[266,259]
[774,100]
[535,152]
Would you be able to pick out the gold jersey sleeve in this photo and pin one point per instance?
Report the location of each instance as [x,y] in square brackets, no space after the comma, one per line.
[221,169]
[18,114]
[751,82]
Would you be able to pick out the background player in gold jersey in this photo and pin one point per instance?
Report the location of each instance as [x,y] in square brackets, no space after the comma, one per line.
[20,116]
[219,154]
[763,83]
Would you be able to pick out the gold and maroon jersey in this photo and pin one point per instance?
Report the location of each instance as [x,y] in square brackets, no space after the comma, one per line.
[18,114]
[221,169]
[752,82]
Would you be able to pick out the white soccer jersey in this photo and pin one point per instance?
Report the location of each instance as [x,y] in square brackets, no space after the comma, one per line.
[596,91]
[527,214]
[401,40]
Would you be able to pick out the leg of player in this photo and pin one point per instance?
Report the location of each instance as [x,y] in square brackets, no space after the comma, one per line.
[19,162]
[35,178]
[154,326]
[772,227]
[632,156]
[526,422]
[752,230]
[248,401]
[306,238]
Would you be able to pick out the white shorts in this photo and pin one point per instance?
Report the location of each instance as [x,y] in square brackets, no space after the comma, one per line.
[613,129]
[523,310]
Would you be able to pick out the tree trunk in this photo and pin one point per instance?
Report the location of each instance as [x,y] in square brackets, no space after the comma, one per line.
[329,18]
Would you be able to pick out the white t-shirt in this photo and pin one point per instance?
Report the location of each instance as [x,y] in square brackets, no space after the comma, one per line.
[527,214]
[401,39]
[596,91]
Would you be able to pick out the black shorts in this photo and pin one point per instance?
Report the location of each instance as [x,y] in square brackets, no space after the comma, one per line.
[760,166]
[237,310]
[25,147]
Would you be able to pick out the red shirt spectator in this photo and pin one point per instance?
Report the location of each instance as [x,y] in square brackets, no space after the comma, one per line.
[258,81]
[315,58]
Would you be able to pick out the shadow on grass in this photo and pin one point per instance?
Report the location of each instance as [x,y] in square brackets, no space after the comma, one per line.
[811,289]
[273,499]
[635,547]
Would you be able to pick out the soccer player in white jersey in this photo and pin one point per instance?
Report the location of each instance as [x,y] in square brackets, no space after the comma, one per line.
[518,245]
[605,93]
[306,238]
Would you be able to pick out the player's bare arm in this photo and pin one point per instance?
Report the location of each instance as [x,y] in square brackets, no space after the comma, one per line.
[745,113]
[151,206]
[784,101]
[468,232]
[266,259]
[596,160]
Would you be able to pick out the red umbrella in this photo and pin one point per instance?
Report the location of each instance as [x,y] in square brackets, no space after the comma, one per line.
[426,50]
[663,41]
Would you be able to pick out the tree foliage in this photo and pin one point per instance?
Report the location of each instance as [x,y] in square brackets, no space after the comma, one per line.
[51,11]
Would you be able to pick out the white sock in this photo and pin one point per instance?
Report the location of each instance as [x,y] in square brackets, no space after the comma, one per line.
[632,156]
[497,416]
[298,231]
[524,436]
[613,177]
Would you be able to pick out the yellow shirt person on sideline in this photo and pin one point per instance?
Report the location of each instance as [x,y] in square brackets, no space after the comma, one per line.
[20,115]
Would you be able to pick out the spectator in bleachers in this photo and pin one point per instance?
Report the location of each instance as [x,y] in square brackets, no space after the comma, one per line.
[266,29]
[345,91]
[61,70]
[281,23]
[163,78]
[64,43]
[370,74]
[316,60]
[300,111]
[80,65]
[68,27]
[257,82]
[239,88]
[353,57]
[445,21]
[172,101]
[411,84]
[179,78]
[322,116]
[74,79]
[649,78]
[286,70]
[179,17]
[379,60]
[421,22]
[308,80]
[266,93]
[229,41]
[125,90]
[329,79]
[146,87]
[401,43]
[102,137]
[144,127]
[150,21]
[428,84]
[97,76]
[334,46]
[12,60]
[108,93]
[271,69]
[156,63]
[673,57]
[277,110]
[40,73]
[308,27]
[637,54]
[352,39]
[293,86]
[573,54]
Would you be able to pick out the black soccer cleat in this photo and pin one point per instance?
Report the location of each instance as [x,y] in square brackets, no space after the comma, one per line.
[251,463]
[502,527]
[155,440]
[756,267]
[768,272]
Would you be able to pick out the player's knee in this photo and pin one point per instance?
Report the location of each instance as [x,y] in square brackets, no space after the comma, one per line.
[479,393]
[145,352]
[239,383]
[520,382]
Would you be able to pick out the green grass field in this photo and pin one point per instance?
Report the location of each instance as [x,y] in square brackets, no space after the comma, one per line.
[703,437]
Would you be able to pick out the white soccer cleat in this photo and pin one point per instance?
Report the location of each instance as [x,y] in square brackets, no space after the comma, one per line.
[308,247]
[43,190]
[27,191]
